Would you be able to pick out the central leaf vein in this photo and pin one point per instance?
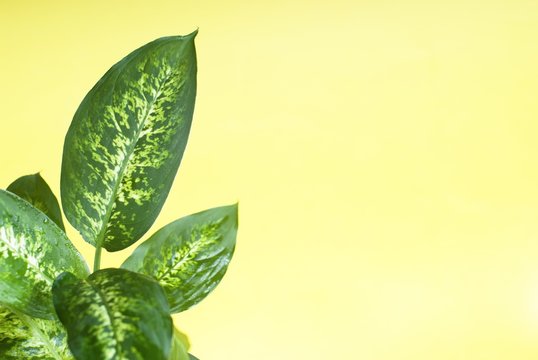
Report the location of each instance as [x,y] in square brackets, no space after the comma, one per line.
[130,152]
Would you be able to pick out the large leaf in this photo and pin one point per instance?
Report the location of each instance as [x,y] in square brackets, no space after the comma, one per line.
[114,314]
[33,252]
[180,346]
[37,192]
[24,337]
[189,256]
[126,142]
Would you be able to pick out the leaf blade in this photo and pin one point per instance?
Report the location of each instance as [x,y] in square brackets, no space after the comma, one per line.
[35,190]
[114,314]
[24,337]
[126,142]
[189,256]
[34,249]
[180,346]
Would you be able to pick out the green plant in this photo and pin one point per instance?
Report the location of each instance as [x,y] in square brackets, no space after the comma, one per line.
[121,154]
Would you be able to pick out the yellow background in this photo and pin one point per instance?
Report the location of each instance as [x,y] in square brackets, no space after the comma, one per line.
[384,155]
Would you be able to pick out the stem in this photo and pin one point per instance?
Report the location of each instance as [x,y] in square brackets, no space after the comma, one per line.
[97,258]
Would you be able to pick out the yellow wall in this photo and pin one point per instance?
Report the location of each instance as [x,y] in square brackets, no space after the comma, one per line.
[384,154]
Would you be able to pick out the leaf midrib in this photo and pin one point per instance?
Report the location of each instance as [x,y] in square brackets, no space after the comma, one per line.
[36,330]
[108,313]
[184,259]
[101,236]
[36,266]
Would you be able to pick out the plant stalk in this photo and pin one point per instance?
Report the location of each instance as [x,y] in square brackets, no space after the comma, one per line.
[97,258]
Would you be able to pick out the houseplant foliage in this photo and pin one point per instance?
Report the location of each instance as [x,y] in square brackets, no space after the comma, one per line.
[121,154]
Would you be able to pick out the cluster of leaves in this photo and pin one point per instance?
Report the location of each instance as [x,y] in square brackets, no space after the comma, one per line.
[121,154]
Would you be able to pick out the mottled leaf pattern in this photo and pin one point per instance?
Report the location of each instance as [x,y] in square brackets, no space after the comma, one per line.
[33,252]
[37,192]
[114,314]
[24,337]
[121,155]
[180,346]
[188,256]
[126,142]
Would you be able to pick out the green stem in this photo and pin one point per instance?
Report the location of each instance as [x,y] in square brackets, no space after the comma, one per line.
[97,259]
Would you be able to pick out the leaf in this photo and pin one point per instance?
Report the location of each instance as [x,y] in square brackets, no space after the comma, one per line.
[192,357]
[37,192]
[24,337]
[180,346]
[114,314]
[33,252]
[189,256]
[126,141]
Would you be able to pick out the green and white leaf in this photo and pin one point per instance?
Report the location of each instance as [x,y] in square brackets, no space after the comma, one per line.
[180,346]
[189,256]
[114,314]
[24,337]
[33,252]
[126,141]
[35,190]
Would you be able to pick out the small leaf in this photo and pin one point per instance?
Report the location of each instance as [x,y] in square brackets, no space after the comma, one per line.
[24,337]
[180,346]
[192,357]
[114,314]
[126,141]
[33,252]
[37,192]
[189,256]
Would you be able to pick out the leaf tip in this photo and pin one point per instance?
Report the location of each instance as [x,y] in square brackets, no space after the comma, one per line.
[234,212]
[193,34]
[187,37]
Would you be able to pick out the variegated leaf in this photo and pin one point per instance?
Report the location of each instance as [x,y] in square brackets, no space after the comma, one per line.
[37,192]
[25,337]
[33,252]
[189,256]
[114,314]
[180,346]
[126,141]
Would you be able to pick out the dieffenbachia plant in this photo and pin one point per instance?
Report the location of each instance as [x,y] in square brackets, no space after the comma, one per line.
[120,157]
